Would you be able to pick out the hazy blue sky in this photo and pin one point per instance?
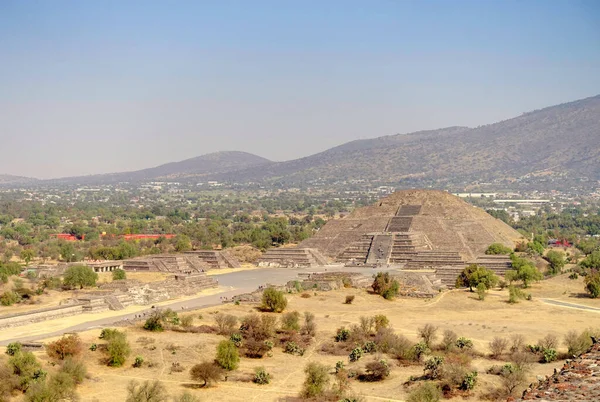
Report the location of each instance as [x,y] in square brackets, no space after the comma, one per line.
[103,86]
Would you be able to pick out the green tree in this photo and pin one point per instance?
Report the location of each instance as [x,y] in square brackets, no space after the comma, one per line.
[523,270]
[80,276]
[592,261]
[27,255]
[227,355]
[556,260]
[592,283]
[475,274]
[117,348]
[183,243]
[498,249]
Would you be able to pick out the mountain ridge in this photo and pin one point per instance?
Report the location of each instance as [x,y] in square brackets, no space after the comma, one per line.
[564,138]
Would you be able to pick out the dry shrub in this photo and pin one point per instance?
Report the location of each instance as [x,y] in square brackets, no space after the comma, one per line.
[375,371]
[396,345]
[67,346]
[255,349]
[456,367]
[226,323]
[428,333]
[290,321]
[498,346]
[449,339]
[548,342]
[337,348]
[309,327]
[349,299]
[305,295]
[258,327]
[207,373]
[517,343]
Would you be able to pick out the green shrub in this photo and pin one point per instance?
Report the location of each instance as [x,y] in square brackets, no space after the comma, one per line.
[9,298]
[317,378]
[273,300]
[117,348]
[13,348]
[464,343]
[339,366]
[498,249]
[426,392]
[138,362]
[75,369]
[355,354]
[433,367]
[236,338]
[227,355]
[386,286]
[549,355]
[369,347]
[290,321]
[119,274]
[261,376]
[469,381]
[342,335]
[26,367]
[419,349]
[293,348]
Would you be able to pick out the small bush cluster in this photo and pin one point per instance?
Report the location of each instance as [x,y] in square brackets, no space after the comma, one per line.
[386,286]
[273,300]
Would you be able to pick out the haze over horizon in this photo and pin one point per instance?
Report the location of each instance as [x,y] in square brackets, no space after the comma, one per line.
[114,86]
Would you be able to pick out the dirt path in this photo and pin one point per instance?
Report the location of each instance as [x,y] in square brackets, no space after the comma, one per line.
[570,305]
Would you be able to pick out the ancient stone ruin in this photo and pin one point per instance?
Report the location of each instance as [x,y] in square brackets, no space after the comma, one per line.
[578,380]
[292,257]
[419,229]
[168,263]
[214,259]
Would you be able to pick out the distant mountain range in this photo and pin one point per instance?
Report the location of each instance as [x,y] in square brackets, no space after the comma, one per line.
[8,179]
[555,140]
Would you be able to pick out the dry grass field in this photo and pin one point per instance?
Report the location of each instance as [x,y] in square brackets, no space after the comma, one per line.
[459,311]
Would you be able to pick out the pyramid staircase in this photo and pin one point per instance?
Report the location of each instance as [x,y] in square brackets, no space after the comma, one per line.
[432,259]
[405,246]
[357,251]
[380,249]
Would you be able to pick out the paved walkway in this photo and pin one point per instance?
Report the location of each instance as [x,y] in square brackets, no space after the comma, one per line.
[570,305]
[239,282]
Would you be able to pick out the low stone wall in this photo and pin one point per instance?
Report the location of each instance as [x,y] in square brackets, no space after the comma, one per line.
[15,320]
